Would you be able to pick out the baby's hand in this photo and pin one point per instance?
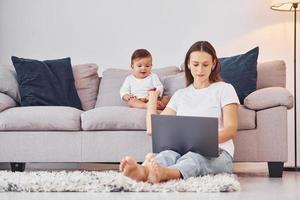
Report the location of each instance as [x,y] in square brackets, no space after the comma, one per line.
[127,97]
[160,105]
[152,89]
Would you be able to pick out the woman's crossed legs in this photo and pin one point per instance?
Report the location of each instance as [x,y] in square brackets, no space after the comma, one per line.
[169,165]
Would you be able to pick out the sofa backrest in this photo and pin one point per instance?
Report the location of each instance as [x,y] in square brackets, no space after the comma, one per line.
[112,80]
[271,74]
[85,76]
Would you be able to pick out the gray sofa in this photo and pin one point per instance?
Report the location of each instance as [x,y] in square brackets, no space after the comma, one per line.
[111,130]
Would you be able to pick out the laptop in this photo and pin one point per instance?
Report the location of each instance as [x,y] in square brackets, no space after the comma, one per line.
[183,134]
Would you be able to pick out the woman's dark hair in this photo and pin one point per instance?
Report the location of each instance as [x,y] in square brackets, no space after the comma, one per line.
[140,53]
[203,46]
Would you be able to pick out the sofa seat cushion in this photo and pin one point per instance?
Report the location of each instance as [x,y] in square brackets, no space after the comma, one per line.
[124,118]
[246,118]
[114,118]
[40,118]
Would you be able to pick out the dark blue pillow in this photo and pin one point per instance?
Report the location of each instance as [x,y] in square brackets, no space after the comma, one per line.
[241,72]
[46,83]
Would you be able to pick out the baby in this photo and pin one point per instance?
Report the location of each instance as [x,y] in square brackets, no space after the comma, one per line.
[137,85]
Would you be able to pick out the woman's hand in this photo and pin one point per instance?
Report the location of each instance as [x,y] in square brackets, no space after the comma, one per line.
[151,108]
[153,93]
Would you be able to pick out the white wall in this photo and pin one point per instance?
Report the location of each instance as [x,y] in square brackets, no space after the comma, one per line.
[107,32]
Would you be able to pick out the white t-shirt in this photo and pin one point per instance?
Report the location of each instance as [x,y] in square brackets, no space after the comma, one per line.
[140,87]
[205,102]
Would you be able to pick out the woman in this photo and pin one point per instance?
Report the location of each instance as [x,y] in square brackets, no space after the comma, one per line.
[206,95]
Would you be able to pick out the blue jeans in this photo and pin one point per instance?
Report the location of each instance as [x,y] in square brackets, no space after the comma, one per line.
[193,164]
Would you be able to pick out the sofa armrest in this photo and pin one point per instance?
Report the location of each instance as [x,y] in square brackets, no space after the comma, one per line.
[269,97]
[6,102]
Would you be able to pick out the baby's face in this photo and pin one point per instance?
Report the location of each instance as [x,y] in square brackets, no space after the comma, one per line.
[141,67]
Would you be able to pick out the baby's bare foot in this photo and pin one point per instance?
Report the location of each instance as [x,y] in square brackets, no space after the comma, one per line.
[160,105]
[130,168]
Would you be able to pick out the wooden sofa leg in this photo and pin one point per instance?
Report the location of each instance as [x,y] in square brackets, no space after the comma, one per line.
[275,169]
[17,167]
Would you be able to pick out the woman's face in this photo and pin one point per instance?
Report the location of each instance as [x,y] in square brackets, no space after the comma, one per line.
[201,64]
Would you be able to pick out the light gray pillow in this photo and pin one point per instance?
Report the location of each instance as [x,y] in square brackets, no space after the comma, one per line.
[173,83]
[9,84]
[112,80]
[269,97]
[6,102]
[87,84]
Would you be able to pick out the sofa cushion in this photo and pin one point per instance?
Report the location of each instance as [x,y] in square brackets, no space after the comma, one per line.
[46,83]
[114,118]
[173,83]
[246,118]
[241,72]
[6,102]
[112,80]
[9,84]
[268,98]
[40,118]
[87,84]
[271,74]
[124,118]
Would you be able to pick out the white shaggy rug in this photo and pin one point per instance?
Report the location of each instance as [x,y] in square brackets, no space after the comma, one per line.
[108,181]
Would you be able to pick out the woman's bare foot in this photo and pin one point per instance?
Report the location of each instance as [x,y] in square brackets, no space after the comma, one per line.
[148,158]
[130,168]
[157,173]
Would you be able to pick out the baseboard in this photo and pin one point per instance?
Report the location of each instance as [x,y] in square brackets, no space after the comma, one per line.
[292,169]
